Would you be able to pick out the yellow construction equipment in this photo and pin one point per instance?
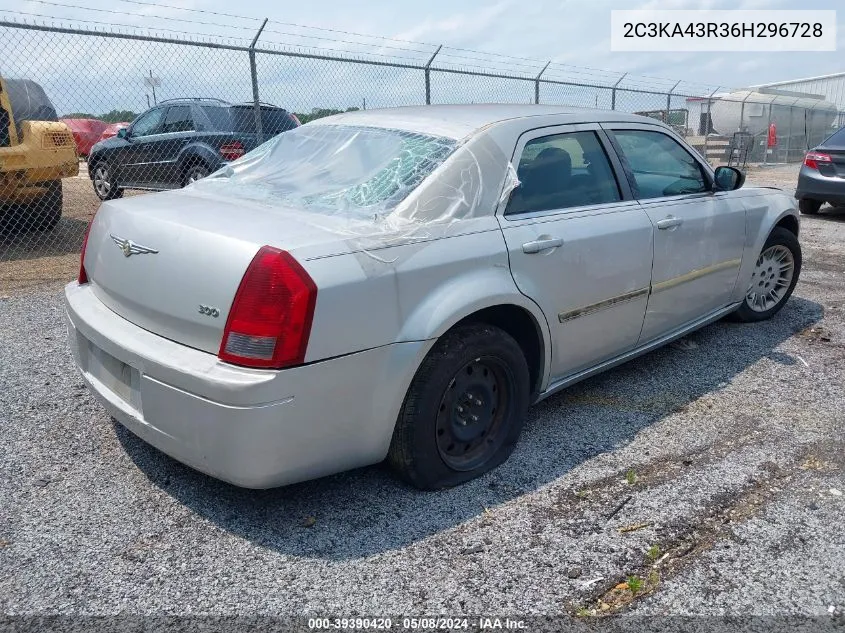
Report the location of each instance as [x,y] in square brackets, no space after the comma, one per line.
[36,152]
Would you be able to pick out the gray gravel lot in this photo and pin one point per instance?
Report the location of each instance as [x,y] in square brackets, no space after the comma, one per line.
[723,459]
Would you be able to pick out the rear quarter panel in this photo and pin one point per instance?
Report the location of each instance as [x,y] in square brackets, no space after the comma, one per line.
[411,292]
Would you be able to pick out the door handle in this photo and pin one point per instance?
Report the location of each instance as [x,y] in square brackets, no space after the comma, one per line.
[669,222]
[545,243]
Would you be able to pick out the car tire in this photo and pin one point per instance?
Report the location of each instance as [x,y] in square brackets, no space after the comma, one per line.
[104,184]
[809,207]
[771,287]
[194,172]
[464,410]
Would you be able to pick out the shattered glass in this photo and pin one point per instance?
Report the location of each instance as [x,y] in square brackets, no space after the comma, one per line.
[357,172]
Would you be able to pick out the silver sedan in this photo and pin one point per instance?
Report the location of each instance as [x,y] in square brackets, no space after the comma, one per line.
[402,284]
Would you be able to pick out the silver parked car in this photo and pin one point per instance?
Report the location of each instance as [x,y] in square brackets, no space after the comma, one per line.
[404,283]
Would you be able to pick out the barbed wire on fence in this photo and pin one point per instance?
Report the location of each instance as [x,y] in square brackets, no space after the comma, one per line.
[104,75]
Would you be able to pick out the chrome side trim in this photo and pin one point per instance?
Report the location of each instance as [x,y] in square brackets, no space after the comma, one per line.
[637,351]
[695,274]
[563,317]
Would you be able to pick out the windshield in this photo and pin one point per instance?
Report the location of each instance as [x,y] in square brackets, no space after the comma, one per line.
[333,169]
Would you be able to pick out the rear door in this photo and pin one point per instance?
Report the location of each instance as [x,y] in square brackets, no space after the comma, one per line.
[579,245]
[699,233]
[177,130]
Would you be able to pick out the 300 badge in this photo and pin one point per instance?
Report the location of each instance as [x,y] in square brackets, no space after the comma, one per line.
[209,311]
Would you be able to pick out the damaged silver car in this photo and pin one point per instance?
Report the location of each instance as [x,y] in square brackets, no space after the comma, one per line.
[402,284]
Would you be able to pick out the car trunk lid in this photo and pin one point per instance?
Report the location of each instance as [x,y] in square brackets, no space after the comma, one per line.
[172,262]
[835,168]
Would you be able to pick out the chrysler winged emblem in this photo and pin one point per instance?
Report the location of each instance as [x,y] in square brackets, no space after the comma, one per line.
[131,248]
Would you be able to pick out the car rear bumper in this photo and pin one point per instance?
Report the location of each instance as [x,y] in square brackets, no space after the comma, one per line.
[814,186]
[252,428]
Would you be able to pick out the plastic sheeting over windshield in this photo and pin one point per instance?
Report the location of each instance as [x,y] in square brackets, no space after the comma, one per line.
[367,181]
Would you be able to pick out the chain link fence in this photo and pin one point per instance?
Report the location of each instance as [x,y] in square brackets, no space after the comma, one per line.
[194,104]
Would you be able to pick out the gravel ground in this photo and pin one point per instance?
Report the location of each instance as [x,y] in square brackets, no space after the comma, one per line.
[712,470]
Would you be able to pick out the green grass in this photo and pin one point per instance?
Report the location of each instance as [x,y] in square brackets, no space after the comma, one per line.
[631,477]
[653,553]
[635,583]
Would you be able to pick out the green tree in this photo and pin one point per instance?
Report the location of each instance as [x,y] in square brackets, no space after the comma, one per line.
[319,113]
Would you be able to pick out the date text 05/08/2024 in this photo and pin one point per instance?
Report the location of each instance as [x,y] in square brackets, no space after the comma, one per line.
[418,624]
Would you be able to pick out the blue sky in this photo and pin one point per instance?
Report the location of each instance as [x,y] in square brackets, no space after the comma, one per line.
[573,32]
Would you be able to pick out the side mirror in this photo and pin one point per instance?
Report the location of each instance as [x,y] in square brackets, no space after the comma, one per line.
[728,178]
[123,133]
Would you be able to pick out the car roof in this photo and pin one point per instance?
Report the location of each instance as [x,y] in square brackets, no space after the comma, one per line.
[460,121]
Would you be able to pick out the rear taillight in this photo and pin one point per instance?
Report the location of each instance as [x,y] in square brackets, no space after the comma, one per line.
[232,150]
[83,275]
[270,319]
[812,159]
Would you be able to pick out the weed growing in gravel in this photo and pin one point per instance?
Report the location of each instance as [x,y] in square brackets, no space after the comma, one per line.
[653,553]
[635,583]
[583,612]
[631,477]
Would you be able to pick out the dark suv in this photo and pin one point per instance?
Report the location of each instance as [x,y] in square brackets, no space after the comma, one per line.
[180,141]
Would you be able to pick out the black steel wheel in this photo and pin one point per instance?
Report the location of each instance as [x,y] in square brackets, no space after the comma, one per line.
[464,410]
[472,413]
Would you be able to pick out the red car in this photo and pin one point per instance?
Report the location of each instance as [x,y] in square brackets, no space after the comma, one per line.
[112,130]
[86,132]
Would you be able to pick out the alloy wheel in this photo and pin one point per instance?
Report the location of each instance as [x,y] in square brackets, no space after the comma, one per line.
[771,278]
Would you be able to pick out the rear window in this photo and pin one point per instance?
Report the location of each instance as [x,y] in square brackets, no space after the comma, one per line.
[836,139]
[333,169]
[273,120]
[218,116]
[241,119]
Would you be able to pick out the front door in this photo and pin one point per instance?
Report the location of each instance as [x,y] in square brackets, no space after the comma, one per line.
[579,246]
[136,162]
[699,234]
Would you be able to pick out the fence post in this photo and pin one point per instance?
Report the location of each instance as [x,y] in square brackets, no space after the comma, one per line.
[669,101]
[768,127]
[789,132]
[808,128]
[613,91]
[537,83]
[708,120]
[256,102]
[428,76]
